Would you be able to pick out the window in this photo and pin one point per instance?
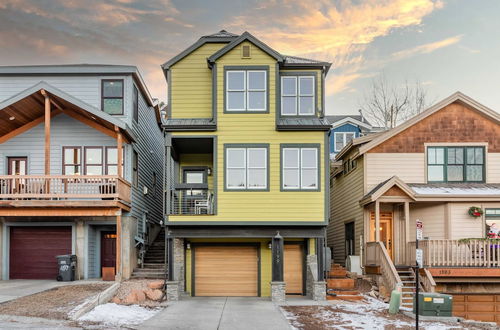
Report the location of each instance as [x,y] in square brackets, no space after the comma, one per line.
[135,169]
[246,168]
[135,104]
[246,91]
[455,164]
[492,223]
[297,95]
[300,168]
[342,139]
[112,97]
[112,160]
[93,161]
[72,162]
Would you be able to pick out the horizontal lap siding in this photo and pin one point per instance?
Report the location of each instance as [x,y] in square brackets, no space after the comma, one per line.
[409,167]
[192,84]
[345,194]
[433,216]
[493,167]
[465,226]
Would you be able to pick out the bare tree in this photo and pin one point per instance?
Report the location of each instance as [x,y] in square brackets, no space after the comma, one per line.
[387,105]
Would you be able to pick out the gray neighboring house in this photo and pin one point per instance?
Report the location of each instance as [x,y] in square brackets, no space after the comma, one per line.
[81,154]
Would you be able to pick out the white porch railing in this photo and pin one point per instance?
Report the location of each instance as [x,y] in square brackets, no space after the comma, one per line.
[376,254]
[457,253]
[60,187]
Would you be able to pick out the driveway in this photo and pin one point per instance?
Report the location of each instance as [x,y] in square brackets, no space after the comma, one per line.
[223,313]
[13,289]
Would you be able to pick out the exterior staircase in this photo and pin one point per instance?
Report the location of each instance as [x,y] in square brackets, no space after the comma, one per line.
[154,260]
[341,287]
[407,276]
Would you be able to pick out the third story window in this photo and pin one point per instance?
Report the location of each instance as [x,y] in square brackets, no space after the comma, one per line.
[455,164]
[112,97]
[297,95]
[246,90]
[342,139]
[246,168]
[300,168]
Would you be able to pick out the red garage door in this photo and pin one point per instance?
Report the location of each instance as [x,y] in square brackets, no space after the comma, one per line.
[33,251]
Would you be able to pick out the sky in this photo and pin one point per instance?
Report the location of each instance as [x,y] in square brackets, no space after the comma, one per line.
[445,45]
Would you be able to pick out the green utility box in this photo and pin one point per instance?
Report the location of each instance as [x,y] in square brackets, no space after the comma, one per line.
[433,304]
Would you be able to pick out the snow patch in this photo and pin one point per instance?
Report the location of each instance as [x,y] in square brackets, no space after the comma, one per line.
[113,314]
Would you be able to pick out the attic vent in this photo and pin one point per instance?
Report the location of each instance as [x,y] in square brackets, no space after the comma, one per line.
[245,51]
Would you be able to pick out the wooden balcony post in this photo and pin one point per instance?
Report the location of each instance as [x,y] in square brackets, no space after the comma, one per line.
[119,246]
[407,226]
[377,221]
[119,150]
[47,132]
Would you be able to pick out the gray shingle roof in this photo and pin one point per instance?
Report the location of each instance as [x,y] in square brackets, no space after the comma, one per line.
[187,123]
[221,34]
[334,119]
[301,60]
[310,123]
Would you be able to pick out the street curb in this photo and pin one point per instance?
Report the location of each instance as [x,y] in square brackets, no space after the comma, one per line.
[101,298]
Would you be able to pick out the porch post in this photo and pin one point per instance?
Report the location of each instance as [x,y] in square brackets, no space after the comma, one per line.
[407,222]
[47,132]
[119,150]
[119,247]
[377,221]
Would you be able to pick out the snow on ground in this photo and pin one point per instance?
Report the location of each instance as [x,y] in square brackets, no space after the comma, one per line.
[372,315]
[118,315]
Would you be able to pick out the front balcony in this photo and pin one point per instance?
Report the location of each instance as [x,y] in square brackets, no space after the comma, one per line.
[192,199]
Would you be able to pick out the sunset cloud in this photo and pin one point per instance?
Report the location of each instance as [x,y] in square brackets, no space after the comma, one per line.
[427,48]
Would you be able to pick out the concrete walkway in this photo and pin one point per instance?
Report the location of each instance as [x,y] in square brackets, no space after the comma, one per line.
[212,313]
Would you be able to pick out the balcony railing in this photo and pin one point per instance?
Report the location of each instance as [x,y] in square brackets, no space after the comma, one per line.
[64,187]
[191,200]
[457,253]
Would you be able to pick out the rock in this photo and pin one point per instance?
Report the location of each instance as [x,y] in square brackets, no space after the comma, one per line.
[139,295]
[155,295]
[383,292]
[116,300]
[130,299]
[372,294]
[156,284]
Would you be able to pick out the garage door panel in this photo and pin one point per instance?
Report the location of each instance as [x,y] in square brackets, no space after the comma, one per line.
[479,307]
[226,271]
[33,250]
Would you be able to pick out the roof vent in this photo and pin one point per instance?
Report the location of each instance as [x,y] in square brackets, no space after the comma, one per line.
[245,51]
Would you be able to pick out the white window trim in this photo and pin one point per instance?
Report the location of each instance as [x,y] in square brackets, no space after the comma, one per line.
[297,168]
[300,168]
[344,134]
[298,95]
[247,168]
[246,91]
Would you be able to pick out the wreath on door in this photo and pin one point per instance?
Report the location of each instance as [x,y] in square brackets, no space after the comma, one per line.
[475,211]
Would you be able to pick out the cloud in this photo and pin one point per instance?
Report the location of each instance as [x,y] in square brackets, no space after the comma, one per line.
[426,48]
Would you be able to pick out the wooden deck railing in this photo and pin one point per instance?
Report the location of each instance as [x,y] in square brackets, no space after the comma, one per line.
[60,187]
[377,255]
[457,253]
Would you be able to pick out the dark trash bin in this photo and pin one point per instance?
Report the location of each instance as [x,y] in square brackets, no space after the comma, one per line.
[67,267]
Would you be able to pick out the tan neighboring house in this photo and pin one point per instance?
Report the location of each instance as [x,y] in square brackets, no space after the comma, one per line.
[435,168]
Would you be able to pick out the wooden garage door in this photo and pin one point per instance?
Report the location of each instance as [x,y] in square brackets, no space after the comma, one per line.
[33,251]
[293,268]
[479,307]
[226,271]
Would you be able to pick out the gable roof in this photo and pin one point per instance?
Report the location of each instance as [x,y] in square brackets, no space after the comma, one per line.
[358,120]
[383,187]
[246,36]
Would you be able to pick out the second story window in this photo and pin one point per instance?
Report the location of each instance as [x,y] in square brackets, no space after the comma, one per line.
[342,139]
[112,96]
[112,160]
[300,168]
[246,91]
[297,96]
[93,161]
[72,162]
[455,164]
[246,168]
[135,104]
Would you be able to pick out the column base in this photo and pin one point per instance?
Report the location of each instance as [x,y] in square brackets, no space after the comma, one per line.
[319,291]
[172,290]
[278,292]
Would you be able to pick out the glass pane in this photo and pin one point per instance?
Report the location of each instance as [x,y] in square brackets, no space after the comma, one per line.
[236,100]
[306,85]
[235,80]
[475,173]
[479,155]
[257,100]
[455,173]
[435,173]
[93,156]
[306,105]
[289,86]
[93,170]
[291,157]
[291,178]
[113,106]
[309,158]
[236,158]
[339,141]
[194,177]
[455,156]
[112,89]
[309,179]
[474,155]
[289,105]
[257,158]
[70,170]
[439,155]
[349,137]
[236,178]
[257,178]
[112,156]
[431,156]
[256,80]
[112,170]
[71,156]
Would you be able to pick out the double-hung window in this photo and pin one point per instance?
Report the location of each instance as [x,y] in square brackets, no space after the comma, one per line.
[72,160]
[246,168]
[112,160]
[246,91]
[93,160]
[300,169]
[297,95]
[112,96]
[342,139]
[455,164]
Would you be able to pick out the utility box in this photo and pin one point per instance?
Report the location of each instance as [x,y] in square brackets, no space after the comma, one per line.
[433,304]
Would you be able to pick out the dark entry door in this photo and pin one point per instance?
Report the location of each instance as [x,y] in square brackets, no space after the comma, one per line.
[349,239]
[108,249]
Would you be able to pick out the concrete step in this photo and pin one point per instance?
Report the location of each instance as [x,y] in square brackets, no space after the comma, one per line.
[340,283]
